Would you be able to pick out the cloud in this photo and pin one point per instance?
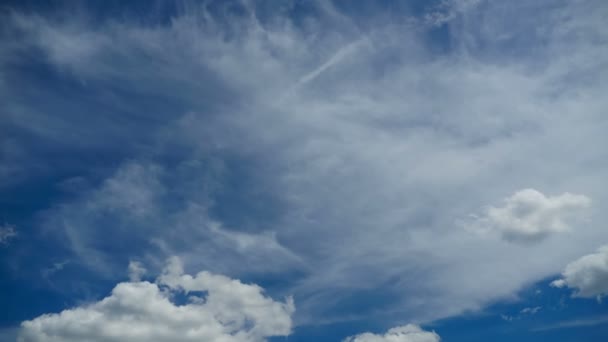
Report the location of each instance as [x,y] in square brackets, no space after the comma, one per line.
[140,201]
[133,189]
[588,275]
[217,309]
[529,216]
[7,232]
[136,271]
[522,313]
[335,59]
[406,333]
[270,142]
[585,322]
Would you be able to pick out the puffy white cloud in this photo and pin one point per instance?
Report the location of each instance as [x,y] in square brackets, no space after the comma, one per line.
[406,333]
[218,309]
[530,216]
[587,275]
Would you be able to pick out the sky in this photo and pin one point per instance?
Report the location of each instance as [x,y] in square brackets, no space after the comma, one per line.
[355,171]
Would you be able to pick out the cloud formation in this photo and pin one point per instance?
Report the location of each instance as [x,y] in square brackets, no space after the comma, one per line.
[529,216]
[406,333]
[217,309]
[337,151]
[588,276]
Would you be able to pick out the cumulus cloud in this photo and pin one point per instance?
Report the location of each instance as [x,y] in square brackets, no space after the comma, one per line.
[406,333]
[217,309]
[588,276]
[7,232]
[530,216]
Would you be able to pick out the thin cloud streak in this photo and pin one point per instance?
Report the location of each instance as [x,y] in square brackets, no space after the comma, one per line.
[577,323]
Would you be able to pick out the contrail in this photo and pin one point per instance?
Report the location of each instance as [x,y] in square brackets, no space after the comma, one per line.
[337,57]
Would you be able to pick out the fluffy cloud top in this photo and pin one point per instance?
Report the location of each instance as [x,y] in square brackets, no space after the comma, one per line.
[230,311]
[530,216]
[588,275]
[406,333]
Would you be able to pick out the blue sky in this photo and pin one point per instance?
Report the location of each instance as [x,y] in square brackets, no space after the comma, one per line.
[303,171]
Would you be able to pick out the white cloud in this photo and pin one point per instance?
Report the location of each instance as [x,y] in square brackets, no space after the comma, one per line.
[218,309]
[7,232]
[406,333]
[530,216]
[587,275]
